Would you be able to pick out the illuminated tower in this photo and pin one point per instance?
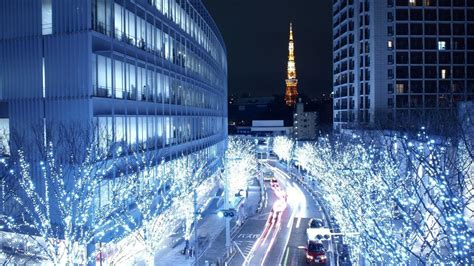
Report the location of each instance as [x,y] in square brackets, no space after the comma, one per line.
[291,82]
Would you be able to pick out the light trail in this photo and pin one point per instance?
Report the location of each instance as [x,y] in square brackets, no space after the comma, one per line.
[297,201]
[275,234]
[273,223]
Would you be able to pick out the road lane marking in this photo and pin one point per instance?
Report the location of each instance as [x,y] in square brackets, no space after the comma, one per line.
[249,236]
[292,217]
[286,256]
[298,222]
[269,226]
[241,253]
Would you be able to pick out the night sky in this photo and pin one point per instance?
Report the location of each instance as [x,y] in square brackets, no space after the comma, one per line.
[256,36]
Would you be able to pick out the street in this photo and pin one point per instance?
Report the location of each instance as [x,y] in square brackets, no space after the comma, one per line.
[278,234]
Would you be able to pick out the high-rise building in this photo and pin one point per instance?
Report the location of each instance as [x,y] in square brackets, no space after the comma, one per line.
[400,60]
[291,92]
[141,69]
[148,75]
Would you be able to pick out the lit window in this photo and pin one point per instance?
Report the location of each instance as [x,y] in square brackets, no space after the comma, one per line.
[390,44]
[46,17]
[441,45]
[412,2]
[400,88]
[443,73]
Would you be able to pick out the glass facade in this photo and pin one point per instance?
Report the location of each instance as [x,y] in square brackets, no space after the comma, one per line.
[149,77]
[412,57]
[165,56]
[432,42]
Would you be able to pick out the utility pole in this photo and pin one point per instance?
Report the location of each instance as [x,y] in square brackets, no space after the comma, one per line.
[226,206]
[259,167]
[196,240]
[268,148]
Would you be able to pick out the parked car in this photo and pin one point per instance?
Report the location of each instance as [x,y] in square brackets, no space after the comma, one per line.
[315,223]
[315,253]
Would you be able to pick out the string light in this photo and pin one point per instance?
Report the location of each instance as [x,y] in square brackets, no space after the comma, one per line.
[408,199]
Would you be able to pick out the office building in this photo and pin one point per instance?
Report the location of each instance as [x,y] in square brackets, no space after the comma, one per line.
[146,72]
[147,76]
[304,123]
[401,61]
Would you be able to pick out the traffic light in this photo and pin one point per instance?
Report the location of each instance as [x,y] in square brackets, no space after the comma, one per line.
[320,237]
[226,213]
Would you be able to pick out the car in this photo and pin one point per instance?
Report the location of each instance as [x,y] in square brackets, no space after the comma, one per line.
[268,177]
[315,223]
[315,252]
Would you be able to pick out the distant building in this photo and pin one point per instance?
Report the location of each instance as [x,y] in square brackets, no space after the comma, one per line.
[265,128]
[399,61]
[242,111]
[304,123]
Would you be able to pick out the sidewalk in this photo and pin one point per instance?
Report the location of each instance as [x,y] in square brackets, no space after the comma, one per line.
[211,234]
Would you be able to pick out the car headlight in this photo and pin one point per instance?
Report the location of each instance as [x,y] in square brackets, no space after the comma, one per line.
[309,257]
[323,257]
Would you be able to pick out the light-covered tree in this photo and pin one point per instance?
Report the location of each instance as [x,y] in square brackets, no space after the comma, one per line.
[163,201]
[400,199]
[241,164]
[283,148]
[54,203]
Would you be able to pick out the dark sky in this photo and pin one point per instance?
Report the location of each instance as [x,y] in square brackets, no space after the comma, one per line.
[256,36]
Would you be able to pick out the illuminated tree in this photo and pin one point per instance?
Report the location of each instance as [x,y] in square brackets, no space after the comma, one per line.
[283,148]
[63,197]
[240,163]
[54,203]
[163,201]
[399,199]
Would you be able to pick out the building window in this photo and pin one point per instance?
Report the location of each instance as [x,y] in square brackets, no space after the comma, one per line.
[443,73]
[400,88]
[390,44]
[5,131]
[441,45]
[412,3]
[390,88]
[46,17]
